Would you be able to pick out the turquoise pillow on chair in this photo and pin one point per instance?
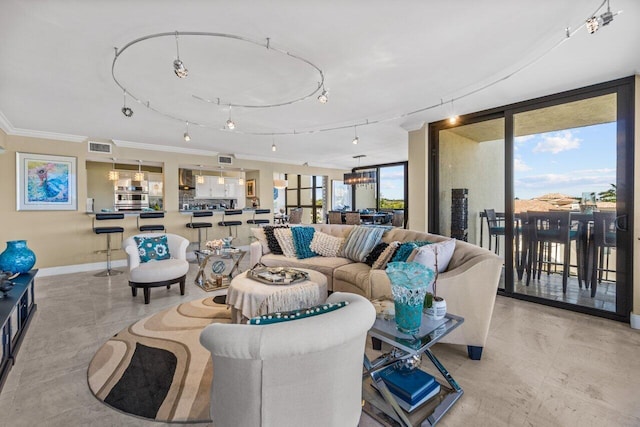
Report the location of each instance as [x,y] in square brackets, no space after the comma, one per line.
[286,316]
[152,248]
[302,237]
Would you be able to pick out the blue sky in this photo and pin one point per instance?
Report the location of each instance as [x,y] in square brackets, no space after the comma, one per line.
[392,182]
[570,161]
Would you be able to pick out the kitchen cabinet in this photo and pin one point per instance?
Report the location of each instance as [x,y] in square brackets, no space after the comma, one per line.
[210,189]
[155,184]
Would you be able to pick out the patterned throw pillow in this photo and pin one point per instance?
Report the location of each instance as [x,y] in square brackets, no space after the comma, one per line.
[325,244]
[285,316]
[272,242]
[385,256]
[375,253]
[360,241]
[285,240]
[152,248]
[426,255]
[302,237]
[405,250]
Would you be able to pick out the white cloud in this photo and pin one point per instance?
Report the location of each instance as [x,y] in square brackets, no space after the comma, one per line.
[523,138]
[557,142]
[520,166]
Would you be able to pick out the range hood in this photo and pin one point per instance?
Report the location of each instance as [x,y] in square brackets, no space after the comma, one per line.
[186,179]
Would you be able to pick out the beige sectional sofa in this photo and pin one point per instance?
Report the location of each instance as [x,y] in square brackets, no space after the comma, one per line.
[469,284]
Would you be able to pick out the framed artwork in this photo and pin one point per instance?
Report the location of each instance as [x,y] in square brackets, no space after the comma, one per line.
[251,188]
[45,182]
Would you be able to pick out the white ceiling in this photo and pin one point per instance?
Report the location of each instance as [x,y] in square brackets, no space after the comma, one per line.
[381,60]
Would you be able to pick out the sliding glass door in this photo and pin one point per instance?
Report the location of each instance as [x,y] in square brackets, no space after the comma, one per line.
[508,178]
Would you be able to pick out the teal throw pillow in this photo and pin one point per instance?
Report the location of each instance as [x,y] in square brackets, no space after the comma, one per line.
[302,237]
[360,241]
[286,316]
[405,249]
[152,248]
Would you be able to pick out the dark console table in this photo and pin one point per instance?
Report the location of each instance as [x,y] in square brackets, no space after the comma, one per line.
[16,310]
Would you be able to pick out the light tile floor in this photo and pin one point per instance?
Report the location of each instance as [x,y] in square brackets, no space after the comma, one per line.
[541,367]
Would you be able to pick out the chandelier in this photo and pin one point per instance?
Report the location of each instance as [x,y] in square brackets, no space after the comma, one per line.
[361,177]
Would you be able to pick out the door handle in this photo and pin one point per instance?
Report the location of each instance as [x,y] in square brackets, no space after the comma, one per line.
[622,223]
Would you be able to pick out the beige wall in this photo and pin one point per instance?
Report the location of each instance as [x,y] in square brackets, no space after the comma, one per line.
[418,176]
[63,238]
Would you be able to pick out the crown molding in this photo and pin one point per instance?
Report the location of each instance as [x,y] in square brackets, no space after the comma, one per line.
[9,129]
[164,148]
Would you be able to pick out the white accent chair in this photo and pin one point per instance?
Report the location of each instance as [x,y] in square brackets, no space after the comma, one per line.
[153,274]
[305,372]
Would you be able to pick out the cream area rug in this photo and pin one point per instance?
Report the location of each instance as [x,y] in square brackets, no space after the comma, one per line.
[156,368]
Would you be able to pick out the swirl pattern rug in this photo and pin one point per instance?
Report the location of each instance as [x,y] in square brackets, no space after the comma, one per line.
[156,368]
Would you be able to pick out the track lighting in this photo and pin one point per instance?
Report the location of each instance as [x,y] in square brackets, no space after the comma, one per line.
[128,112]
[187,137]
[595,22]
[355,139]
[324,96]
[230,123]
[178,66]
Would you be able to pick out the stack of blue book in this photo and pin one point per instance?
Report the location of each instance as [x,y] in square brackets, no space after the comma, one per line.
[411,388]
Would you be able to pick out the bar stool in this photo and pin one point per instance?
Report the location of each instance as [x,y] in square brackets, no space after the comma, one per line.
[108,231]
[150,227]
[259,221]
[231,223]
[200,225]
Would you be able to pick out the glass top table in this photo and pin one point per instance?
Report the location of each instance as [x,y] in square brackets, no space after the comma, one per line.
[379,402]
[225,263]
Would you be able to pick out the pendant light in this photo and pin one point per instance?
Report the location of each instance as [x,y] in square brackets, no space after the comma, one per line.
[221,178]
[200,178]
[139,176]
[113,173]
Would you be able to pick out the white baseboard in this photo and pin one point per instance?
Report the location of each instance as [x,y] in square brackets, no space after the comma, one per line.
[79,268]
[635,321]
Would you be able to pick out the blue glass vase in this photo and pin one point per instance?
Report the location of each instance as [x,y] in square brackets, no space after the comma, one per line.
[17,258]
[409,284]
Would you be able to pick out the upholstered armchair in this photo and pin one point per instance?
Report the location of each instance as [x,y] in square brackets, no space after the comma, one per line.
[150,268]
[305,372]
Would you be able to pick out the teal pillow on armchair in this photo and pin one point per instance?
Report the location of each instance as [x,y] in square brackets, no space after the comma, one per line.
[152,248]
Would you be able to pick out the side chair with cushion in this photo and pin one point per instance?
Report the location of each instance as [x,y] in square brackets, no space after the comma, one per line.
[397,220]
[335,217]
[155,260]
[352,218]
[295,216]
[303,372]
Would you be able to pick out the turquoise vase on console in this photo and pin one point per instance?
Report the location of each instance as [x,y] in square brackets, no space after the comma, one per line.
[17,257]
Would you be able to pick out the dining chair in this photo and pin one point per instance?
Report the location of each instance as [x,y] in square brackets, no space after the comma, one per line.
[603,237]
[295,216]
[397,220]
[496,228]
[335,217]
[547,228]
[352,218]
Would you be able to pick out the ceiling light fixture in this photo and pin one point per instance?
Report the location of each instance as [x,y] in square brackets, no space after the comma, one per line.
[187,137]
[139,176]
[128,112]
[273,145]
[453,118]
[360,177]
[241,179]
[280,184]
[178,66]
[200,178]
[324,96]
[230,123]
[113,173]
[220,178]
[355,139]
[595,22]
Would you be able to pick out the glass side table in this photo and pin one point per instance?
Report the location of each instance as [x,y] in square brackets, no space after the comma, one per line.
[225,262]
[379,403]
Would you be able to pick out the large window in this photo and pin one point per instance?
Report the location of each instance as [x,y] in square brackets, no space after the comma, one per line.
[308,192]
[388,193]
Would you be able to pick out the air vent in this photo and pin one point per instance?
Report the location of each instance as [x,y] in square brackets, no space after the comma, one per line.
[99,147]
[225,160]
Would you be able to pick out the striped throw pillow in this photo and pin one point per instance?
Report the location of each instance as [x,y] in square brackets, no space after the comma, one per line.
[361,241]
